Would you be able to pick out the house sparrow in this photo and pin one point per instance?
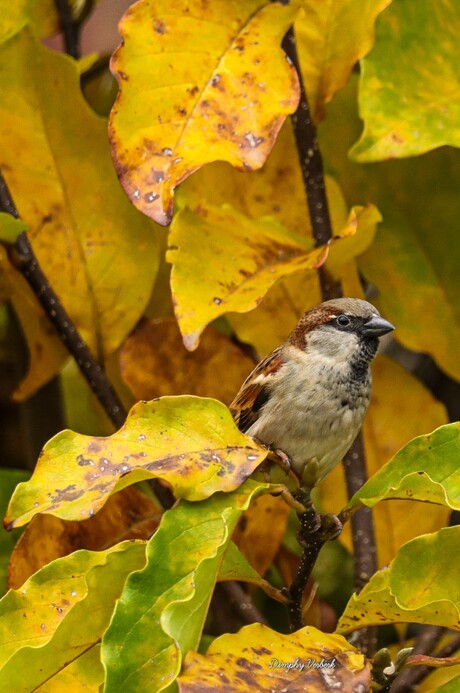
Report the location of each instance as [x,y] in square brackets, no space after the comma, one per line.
[309,396]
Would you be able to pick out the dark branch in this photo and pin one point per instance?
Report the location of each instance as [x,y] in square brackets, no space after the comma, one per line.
[312,542]
[241,603]
[311,162]
[70,28]
[362,530]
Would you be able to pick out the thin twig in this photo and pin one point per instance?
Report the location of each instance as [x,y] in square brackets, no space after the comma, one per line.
[242,603]
[69,27]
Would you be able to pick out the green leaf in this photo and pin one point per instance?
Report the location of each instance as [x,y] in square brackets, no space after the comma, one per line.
[420,586]
[84,675]
[160,615]
[195,87]
[99,254]
[192,443]
[236,567]
[426,469]
[9,478]
[452,686]
[415,254]
[60,613]
[409,94]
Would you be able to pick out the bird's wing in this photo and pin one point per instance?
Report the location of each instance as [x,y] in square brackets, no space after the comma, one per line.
[255,391]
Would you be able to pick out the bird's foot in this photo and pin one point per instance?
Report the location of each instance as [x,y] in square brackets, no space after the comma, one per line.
[331,527]
[282,460]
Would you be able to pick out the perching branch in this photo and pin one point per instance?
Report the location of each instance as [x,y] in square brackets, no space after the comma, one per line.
[311,165]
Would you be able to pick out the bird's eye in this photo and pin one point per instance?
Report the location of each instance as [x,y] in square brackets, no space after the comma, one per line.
[343,321]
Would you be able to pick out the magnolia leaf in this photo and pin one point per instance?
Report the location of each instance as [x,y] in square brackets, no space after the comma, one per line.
[128,514]
[47,353]
[277,189]
[235,567]
[259,658]
[426,469]
[79,239]
[327,51]
[161,613]
[262,252]
[413,264]
[451,686]
[410,591]
[407,106]
[198,83]
[261,530]
[391,422]
[192,443]
[154,362]
[9,478]
[241,257]
[84,675]
[60,612]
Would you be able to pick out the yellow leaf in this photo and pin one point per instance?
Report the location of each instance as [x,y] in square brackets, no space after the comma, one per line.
[192,443]
[128,514]
[198,83]
[331,38]
[154,362]
[392,421]
[46,351]
[257,658]
[60,613]
[98,253]
[242,258]
[409,590]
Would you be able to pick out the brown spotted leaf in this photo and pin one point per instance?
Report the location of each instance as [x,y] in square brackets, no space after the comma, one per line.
[199,82]
[191,443]
[257,658]
[128,514]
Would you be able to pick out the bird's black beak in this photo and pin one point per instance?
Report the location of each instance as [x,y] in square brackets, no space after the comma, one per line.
[376,327]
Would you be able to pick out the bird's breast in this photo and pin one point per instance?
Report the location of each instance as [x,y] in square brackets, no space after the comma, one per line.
[313,412]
